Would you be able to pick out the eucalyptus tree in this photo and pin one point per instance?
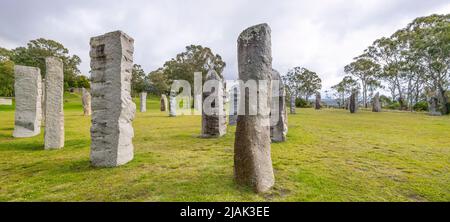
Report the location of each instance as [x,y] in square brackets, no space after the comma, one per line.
[345,88]
[302,82]
[366,70]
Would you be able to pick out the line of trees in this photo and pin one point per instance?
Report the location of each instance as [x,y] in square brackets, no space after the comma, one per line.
[301,83]
[412,64]
[34,55]
[195,58]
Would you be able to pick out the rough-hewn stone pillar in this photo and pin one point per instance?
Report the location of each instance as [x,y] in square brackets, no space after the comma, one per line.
[278,117]
[43,101]
[213,112]
[376,105]
[234,106]
[252,160]
[86,101]
[292,104]
[433,106]
[352,105]
[163,103]
[318,101]
[143,97]
[28,113]
[113,109]
[54,103]
[173,104]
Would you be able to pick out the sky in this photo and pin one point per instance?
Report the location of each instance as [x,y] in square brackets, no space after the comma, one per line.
[321,35]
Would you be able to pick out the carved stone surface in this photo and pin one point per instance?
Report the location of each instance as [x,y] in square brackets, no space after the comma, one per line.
[143,97]
[252,158]
[292,104]
[113,109]
[278,117]
[86,101]
[172,104]
[318,101]
[353,105]
[214,116]
[28,113]
[376,105]
[54,103]
[163,103]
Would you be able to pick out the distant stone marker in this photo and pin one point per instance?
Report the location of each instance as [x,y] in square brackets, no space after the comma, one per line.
[173,104]
[86,101]
[318,101]
[433,106]
[234,106]
[352,105]
[278,115]
[376,105]
[143,97]
[214,116]
[163,103]
[252,160]
[292,104]
[113,109]
[54,103]
[28,113]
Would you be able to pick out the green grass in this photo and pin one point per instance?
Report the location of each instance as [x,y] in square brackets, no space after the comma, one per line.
[331,155]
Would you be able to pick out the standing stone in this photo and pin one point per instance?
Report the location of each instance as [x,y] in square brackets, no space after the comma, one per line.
[376,105]
[352,104]
[234,106]
[433,106]
[86,100]
[28,113]
[43,101]
[214,120]
[318,101]
[143,96]
[163,102]
[278,117]
[252,160]
[54,112]
[172,104]
[292,104]
[113,109]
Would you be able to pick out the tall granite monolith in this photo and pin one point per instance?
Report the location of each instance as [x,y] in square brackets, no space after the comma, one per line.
[163,103]
[213,112]
[292,104]
[173,104]
[54,102]
[352,105]
[318,101]
[28,113]
[278,115]
[143,100]
[376,105]
[433,106]
[86,102]
[252,158]
[113,109]
[43,101]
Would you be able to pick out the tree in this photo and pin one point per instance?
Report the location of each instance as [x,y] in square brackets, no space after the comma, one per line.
[158,82]
[6,73]
[36,51]
[138,84]
[302,82]
[366,71]
[344,89]
[196,58]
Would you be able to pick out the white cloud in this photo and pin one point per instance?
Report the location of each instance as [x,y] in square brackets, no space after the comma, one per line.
[321,35]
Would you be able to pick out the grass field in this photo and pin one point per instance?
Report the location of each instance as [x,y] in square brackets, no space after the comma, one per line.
[331,155]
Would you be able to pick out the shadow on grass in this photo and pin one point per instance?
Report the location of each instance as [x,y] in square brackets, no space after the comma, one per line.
[29,146]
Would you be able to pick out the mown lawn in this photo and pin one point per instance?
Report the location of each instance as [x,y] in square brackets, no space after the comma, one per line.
[330,155]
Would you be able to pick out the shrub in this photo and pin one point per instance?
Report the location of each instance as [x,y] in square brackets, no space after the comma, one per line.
[301,103]
[421,106]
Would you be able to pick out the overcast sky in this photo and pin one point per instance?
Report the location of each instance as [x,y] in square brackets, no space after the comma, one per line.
[321,35]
